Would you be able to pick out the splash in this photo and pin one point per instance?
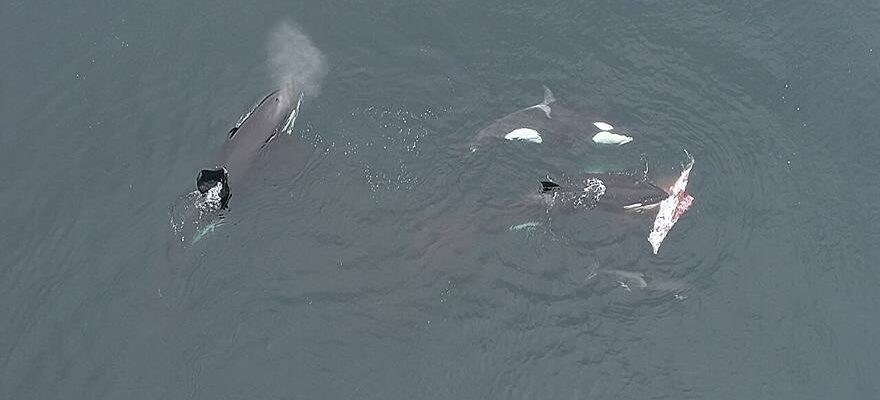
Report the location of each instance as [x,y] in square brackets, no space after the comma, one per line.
[194,216]
[294,61]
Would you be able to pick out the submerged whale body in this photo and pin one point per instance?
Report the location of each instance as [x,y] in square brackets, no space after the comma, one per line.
[275,113]
[201,211]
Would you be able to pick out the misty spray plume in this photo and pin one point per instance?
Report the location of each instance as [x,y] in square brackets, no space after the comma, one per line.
[294,61]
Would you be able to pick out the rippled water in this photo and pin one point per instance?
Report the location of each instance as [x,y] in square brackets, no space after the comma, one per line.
[371,257]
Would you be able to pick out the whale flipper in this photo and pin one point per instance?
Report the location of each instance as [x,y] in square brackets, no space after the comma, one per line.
[545,105]
[548,96]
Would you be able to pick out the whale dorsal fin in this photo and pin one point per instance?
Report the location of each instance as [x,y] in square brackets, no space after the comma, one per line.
[545,105]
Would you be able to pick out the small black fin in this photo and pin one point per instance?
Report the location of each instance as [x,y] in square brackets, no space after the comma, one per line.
[233,131]
[547,186]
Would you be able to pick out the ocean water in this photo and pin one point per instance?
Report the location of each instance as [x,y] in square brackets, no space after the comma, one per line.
[370,256]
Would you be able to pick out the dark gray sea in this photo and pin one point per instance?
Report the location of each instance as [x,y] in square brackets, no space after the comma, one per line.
[369,256]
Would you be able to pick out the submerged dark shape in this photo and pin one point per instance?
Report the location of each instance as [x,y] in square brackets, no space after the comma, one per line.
[275,113]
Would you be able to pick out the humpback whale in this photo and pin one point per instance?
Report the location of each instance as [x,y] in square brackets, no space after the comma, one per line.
[275,113]
[201,210]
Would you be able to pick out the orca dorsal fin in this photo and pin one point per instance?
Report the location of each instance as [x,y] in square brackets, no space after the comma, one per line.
[548,186]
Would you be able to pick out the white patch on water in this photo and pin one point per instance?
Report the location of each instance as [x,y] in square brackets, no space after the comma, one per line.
[594,189]
[530,226]
[603,126]
[595,186]
[212,197]
[529,135]
[606,137]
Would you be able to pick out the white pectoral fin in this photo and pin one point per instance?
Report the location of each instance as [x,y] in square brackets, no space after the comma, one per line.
[672,208]
[291,119]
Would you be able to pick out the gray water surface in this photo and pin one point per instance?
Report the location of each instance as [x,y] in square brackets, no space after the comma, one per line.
[377,265]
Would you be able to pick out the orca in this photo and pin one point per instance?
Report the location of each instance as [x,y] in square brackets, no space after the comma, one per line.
[549,123]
